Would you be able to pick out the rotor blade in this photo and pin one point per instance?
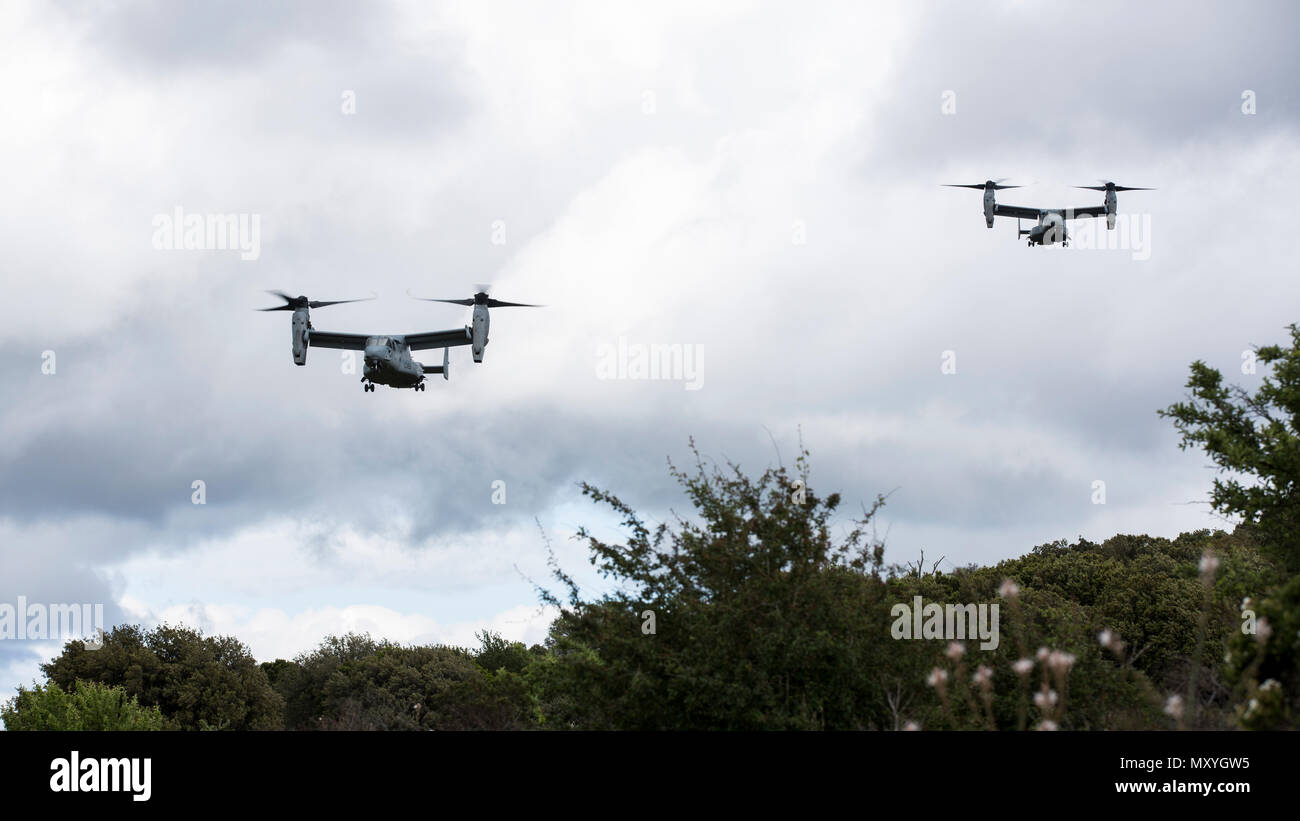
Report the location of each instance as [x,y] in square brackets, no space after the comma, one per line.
[980,186]
[293,303]
[288,302]
[496,303]
[1113,186]
[452,301]
[316,303]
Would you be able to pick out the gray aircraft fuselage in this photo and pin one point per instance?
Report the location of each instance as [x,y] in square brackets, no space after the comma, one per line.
[388,362]
[1049,230]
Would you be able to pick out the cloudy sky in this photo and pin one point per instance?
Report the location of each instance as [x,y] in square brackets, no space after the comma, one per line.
[757,182]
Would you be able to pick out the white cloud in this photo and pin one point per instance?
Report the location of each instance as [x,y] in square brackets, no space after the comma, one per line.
[272,633]
[330,508]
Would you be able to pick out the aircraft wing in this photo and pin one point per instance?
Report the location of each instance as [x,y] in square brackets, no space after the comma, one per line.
[1017,211]
[327,339]
[1086,211]
[438,339]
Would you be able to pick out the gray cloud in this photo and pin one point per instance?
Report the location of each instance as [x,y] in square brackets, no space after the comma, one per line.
[1107,80]
[154,34]
[664,227]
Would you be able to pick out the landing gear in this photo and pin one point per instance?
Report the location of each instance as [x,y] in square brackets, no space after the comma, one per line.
[420,387]
[1029,243]
[368,387]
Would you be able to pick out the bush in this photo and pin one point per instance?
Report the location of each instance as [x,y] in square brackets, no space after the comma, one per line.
[90,706]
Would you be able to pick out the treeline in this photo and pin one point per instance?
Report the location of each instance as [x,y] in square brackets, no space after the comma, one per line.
[781,639]
[175,678]
[761,611]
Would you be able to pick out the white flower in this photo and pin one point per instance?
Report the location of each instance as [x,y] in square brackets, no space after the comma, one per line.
[1042,653]
[955,650]
[937,678]
[1105,637]
[911,727]
[1059,661]
[1174,706]
[1023,666]
[1046,724]
[1009,589]
[1271,684]
[1263,630]
[1209,563]
[1044,699]
[983,676]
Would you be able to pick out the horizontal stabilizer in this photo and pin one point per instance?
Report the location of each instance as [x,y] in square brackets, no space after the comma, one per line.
[444,368]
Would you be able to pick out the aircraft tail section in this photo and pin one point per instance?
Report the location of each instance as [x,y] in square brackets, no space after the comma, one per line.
[444,368]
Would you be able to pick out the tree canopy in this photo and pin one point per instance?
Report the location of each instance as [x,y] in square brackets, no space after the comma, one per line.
[1254,441]
[89,706]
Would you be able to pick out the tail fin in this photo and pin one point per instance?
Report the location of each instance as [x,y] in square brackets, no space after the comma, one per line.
[444,368]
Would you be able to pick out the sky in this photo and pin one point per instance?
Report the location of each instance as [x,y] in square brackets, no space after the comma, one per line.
[757,183]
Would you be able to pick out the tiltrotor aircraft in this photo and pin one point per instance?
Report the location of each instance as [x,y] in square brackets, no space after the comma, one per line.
[1050,227]
[388,358]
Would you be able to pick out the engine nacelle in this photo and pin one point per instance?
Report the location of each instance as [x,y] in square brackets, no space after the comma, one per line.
[989,204]
[1111,205]
[301,333]
[479,332]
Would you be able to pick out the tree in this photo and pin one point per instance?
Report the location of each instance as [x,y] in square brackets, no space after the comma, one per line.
[763,619]
[89,706]
[1255,438]
[353,682]
[496,653]
[197,682]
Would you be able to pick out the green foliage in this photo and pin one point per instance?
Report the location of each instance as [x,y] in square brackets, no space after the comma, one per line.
[763,619]
[1266,664]
[1254,440]
[764,609]
[302,686]
[197,682]
[276,670]
[89,706]
[1147,591]
[1251,437]
[496,653]
[353,682]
